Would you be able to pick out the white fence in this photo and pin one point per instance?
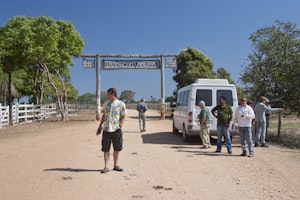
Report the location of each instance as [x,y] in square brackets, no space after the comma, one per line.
[23,113]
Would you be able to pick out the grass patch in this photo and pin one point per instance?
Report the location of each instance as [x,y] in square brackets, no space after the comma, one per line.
[289,134]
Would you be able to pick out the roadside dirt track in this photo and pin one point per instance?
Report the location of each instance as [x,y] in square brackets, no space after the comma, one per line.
[55,160]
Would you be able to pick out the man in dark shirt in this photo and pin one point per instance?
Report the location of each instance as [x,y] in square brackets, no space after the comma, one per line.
[223,113]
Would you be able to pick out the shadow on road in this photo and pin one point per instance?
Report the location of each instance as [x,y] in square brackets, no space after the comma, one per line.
[149,118]
[72,170]
[168,138]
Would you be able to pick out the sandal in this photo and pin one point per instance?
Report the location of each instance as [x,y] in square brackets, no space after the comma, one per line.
[117,168]
[105,170]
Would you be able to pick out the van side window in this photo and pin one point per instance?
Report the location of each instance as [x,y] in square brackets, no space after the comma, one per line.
[204,95]
[227,94]
[182,99]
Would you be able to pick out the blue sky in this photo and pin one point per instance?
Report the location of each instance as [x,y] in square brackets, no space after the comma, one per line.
[220,29]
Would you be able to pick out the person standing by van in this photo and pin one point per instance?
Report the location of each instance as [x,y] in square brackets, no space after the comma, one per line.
[243,117]
[204,125]
[142,108]
[223,113]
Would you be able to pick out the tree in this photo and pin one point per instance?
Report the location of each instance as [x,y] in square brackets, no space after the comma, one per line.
[87,98]
[170,99]
[127,96]
[44,48]
[222,73]
[4,88]
[274,66]
[192,64]
[14,49]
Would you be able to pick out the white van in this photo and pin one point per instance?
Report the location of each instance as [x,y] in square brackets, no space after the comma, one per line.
[185,118]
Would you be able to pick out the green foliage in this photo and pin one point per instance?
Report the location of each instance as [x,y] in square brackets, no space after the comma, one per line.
[43,48]
[127,96]
[274,66]
[192,64]
[222,73]
[170,99]
[87,98]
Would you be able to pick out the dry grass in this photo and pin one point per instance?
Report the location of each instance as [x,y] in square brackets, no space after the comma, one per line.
[290,131]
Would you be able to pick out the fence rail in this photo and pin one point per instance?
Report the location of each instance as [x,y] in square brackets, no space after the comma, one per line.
[24,113]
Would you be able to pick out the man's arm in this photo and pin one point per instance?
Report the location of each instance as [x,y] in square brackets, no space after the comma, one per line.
[122,120]
[213,112]
[101,122]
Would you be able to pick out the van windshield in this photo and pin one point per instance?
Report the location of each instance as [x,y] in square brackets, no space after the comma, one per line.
[227,94]
[204,95]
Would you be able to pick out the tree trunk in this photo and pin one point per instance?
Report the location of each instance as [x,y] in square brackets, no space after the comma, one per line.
[10,99]
[61,98]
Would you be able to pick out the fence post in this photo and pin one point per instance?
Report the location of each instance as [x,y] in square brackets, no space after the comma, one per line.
[279,124]
[17,113]
[25,111]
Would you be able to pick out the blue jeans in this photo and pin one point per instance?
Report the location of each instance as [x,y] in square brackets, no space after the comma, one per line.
[246,135]
[260,132]
[223,130]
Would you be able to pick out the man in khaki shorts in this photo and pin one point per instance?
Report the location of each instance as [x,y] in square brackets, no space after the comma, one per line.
[114,112]
[204,125]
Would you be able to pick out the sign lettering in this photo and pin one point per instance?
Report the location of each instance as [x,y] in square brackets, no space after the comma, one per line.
[130,64]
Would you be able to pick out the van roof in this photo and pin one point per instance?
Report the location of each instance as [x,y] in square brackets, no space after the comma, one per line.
[204,81]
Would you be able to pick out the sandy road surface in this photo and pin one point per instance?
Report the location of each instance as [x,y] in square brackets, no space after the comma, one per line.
[57,160]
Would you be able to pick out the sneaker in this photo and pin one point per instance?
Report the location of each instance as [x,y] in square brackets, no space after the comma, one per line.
[256,145]
[251,155]
[229,152]
[105,170]
[244,154]
[204,147]
[264,145]
[117,168]
[218,151]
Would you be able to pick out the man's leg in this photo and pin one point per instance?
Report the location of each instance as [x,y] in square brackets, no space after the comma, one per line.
[249,140]
[116,158]
[106,159]
[144,121]
[106,142]
[203,138]
[220,134]
[140,122]
[118,146]
[257,132]
[227,138]
[243,140]
[263,135]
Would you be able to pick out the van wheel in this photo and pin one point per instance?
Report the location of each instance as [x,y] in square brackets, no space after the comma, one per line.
[175,130]
[185,136]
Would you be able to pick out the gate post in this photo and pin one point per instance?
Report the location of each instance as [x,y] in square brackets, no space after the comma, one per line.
[162,99]
[98,86]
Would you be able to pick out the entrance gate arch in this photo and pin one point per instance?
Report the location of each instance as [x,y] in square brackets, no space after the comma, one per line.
[128,61]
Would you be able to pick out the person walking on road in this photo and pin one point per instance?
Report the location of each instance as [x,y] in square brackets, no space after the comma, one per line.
[223,113]
[142,108]
[204,125]
[111,123]
[243,117]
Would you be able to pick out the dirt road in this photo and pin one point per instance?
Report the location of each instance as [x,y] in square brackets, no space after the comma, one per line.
[55,160]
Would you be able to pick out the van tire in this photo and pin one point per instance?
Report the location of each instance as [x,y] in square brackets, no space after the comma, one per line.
[185,136]
[175,130]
